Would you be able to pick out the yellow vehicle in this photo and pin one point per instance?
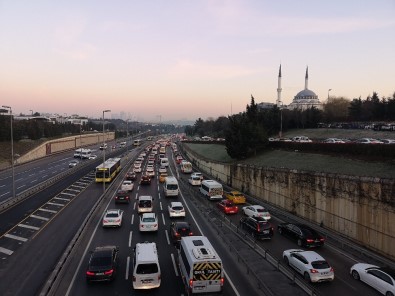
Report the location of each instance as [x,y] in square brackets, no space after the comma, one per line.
[162,177]
[236,196]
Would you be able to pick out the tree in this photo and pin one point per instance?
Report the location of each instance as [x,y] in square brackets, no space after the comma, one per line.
[336,109]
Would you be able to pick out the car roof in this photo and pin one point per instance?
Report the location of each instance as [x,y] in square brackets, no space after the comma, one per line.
[103,251]
[148,215]
[113,211]
[181,224]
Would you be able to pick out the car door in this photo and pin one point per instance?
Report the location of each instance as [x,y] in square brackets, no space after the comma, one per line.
[378,280]
[295,262]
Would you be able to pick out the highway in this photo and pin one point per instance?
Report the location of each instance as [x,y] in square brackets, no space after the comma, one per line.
[38,244]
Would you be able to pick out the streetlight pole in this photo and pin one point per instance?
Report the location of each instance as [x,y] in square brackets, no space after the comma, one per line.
[328,93]
[104,152]
[12,153]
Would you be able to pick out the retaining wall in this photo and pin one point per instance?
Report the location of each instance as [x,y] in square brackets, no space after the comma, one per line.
[360,208]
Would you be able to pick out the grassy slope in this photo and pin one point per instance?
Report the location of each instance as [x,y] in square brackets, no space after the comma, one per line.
[307,161]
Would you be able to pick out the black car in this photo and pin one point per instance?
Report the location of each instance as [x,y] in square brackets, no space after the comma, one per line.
[102,264]
[257,227]
[122,196]
[145,180]
[130,176]
[304,235]
[178,230]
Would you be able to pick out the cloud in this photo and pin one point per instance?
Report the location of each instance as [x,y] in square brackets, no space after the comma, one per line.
[201,70]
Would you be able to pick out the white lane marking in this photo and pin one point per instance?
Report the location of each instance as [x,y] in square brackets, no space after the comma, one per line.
[134,205]
[31,175]
[44,176]
[28,226]
[46,210]
[61,198]
[127,268]
[163,219]
[5,193]
[131,221]
[2,185]
[34,181]
[20,187]
[130,238]
[136,194]
[19,238]
[167,237]
[55,204]
[160,205]
[39,217]
[6,251]
[19,179]
[159,195]
[174,264]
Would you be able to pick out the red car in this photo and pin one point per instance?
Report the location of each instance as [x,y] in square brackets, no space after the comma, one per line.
[228,207]
[145,180]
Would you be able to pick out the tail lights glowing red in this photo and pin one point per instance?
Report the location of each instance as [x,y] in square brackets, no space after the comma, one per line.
[109,272]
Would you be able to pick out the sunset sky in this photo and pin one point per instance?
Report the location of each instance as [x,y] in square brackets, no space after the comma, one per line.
[180,59]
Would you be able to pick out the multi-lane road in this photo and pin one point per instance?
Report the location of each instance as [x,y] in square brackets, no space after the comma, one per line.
[35,234]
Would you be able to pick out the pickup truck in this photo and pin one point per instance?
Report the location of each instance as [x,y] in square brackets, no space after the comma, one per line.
[127,185]
[235,196]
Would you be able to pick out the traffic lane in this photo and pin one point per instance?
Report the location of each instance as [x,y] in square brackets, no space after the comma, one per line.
[126,238]
[341,262]
[26,270]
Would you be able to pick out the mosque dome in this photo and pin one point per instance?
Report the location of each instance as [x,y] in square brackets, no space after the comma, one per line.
[306,94]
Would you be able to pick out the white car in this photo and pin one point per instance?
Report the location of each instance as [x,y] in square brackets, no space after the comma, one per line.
[113,218]
[162,169]
[137,168]
[380,278]
[150,172]
[312,266]
[176,209]
[256,211]
[73,163]
[148,222]
[92,156]
[368,141]
[197,174]
[150,166]
[195,180]
[127,185]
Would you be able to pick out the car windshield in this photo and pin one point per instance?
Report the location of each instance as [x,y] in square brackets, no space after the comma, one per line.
[320,264]
[238,194]
[144,203]
[172,187]
[112,215]
[147,268]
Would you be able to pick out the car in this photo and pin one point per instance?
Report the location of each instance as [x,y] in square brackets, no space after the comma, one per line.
[162,177]
[381,279]
[258,227]
[73,163]
[178,230]
[301,139]
[127,185]
[197,174]
[176,209]
[162,169]
[92,156]
[228,207]
[304,235]
[368,141]
[195,180]
[179,159]
[333,141]
[150,162]
[112,218]
[256,211]
[150,172]
[130,176]
[137,168]
[148,222]
[312,266]
[145,180]
[236,196]
[103,146]
[388,141]
[150,166]
[103,264]
[122,196]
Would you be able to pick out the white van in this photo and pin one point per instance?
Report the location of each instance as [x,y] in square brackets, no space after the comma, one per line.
[146,269]
[186,167]
[82,153]
[170,187]
[145,204]
[200,266]
[164,162]
[211,189]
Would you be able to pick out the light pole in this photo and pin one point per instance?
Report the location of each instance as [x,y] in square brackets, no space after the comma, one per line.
[12,153]
[104,153]
[328,93]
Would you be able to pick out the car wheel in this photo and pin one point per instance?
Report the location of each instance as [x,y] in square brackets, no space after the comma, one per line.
[355,275]
[307,277]
[286,260]
[300,243]
[389,294]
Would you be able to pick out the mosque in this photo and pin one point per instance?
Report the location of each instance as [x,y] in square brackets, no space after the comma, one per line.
[303,100]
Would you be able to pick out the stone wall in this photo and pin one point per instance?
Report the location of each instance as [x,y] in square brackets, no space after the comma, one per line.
[360,208]
[64,144]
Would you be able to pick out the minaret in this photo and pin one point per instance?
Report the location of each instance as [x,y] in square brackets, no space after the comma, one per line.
[306,79]
[278,102]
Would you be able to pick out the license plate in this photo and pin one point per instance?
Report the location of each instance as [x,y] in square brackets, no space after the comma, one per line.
[146,281]
[100,273]
[266,231]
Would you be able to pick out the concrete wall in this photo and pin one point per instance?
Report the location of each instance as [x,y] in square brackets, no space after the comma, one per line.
[360,208]
[64,144]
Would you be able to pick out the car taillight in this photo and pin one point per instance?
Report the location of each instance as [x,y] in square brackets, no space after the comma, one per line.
[332,270]
[134,279]
[90,273]
[108,272]
[322,239]
[116,197]
[191,283]
[159,277]
[191,233]
[309,240]
[222,281]
[313,271]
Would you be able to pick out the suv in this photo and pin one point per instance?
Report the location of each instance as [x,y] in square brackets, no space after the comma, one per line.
[102,264]
[257,226]
[122,196]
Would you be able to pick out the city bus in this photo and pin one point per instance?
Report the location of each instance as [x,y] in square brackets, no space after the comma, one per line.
[137,142]
[108,170]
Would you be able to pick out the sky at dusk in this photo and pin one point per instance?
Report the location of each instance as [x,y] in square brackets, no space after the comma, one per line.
[169,60]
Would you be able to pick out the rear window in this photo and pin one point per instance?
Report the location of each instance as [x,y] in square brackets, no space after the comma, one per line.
[149,219]
[172,187]
[261,210]
[112,215]
[147,268]
[184,231]
[100,261]
[177,208]
[144,203]
[320,264]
